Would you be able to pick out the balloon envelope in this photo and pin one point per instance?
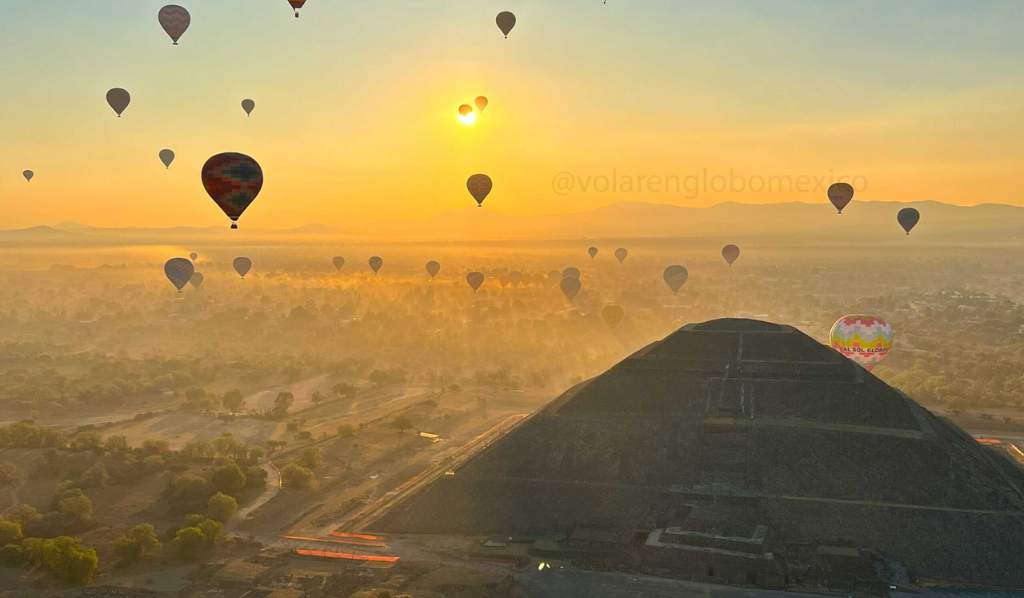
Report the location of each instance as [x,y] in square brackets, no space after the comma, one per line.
[118,99]
[28,174]
[675,276]
[506,21]
[840,194]
[175,21]
[296,5]
[375,263]
[730,253]
[166,156]
[592,252]
[612,314]
[197,279]
[233,181]
[338,262]
[570,287]
[465,109]
[571,272]
[479,186]
[433,268]
[481,103]
[242,265]
[864,339]
[908,217]
[475,279]
[248,105]
[620,254]
[179,271]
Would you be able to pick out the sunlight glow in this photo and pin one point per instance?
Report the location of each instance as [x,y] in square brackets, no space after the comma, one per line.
[469,119]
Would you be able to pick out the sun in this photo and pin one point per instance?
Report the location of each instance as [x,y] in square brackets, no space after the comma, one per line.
[468,119]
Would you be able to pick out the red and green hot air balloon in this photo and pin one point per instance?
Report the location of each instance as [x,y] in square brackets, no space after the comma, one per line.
[296,5]
[233,180]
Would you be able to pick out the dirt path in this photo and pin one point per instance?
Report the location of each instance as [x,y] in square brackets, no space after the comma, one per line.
[269,492]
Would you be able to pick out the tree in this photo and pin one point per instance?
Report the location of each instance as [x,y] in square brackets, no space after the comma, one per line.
[86,441]
[318,397]
[346,430]
[233,400]
[189,491]
[115,443]
[76,504]
[282,403]
[311,458]
[255,477]
[402,423]
[8,473]
[344,390]
[66,557]
[136,543]
[24,514]
[189,542]
[10,532]
[94,477]
[221,507]
[228,478]
[298,477]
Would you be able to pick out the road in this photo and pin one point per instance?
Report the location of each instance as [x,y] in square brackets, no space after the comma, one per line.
[269,492]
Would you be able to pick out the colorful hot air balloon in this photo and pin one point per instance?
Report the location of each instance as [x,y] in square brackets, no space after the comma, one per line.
[175,21]
[248,105]
[571,272]
[296,5]
[166,156]
[675,276]
[338,261]
[730,253]
[506,21]
[481,103]
[612,315]
[179,271]
[197,279]
[570,287]
[864,339]
[118,99]
[242,265]
[840,194]
[479,186]
[433,268]
[620,254]
[28,174]
[592,252]
[475,279]
[465,109]
[233,181]
[193,256]
[908,217]
[375,263]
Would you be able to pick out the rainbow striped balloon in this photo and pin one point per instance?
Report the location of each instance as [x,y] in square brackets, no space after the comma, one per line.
[864,339]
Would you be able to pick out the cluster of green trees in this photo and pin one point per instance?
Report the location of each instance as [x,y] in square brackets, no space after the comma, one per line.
[25,537]
[299,474]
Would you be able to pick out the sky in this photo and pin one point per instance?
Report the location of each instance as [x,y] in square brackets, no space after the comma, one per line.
[686,102]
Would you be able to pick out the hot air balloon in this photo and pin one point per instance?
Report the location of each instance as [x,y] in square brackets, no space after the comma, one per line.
[612,315]
[479,186]
[840,194]
[481,103]
[28,174]
[242,265]
[515,277]
[475,279]
[570,287]
[465,109]
[193,256]
[233,181]
[592,251]
[118,99]
[571,272]
[338,261]
[179,271]
[908,217]
[296,5]
[175,21]
[166,156]
[248,105]
[620,254]
[730,253]
[197,279]
[675,276]
[864,339]
[375,263]
[506,21]
[433,268]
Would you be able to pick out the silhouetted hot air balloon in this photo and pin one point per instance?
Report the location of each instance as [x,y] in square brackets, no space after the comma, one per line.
[506,21]
[248,105]
[730,253]
[242,265]
[864,339]
[592,252]
[433,268]
[571,272]
[675,276]
[179,271]
[166,156]
[193,256]
[620,254]
[233,181]
[296,5]
[197,279]
[28,174]
[118,99]
[515,277]
[338,261]
[465,109]
[908,217]
[481,103]
[570,287]
[175,21]
[612,315]
[375,263]
[475,279]
[479,186]
[840,194]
